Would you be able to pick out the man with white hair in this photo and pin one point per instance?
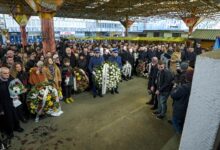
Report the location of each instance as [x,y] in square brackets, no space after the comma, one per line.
[8,114]
[153,71]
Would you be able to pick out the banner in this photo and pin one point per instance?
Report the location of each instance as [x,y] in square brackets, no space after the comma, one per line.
[217,44]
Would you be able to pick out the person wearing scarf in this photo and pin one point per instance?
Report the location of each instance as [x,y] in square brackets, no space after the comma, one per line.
[36,74]
[52,73]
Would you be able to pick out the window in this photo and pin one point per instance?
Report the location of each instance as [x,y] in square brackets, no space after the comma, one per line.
[156,34]
[176,34]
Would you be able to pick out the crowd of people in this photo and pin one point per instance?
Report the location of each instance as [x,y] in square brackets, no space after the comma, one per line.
[170,75]
[169,67]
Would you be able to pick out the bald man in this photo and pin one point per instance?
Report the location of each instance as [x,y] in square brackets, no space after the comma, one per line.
[9,119]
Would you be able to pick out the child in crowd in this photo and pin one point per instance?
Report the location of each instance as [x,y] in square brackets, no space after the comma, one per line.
[67,80]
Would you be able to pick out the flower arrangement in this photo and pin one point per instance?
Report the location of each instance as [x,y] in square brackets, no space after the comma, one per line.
[81,80]
[15,89]
[114,75]
[107,76]
[43,98]
[141,68]
[127,69]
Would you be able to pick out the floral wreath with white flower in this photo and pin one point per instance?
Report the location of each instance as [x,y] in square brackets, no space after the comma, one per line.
[42,99]
[107,76]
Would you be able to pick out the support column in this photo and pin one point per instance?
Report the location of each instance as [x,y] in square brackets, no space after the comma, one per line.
[126,31]
[127,24]
[47,28]
[23,36]
[46,10]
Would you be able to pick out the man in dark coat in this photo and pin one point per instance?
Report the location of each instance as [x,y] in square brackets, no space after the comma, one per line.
[189,56]
[164,86]
[152,82]
[31,63]
[180,96]
[124,55]
[71,56]
[7,110]
[159,52]
[131,60]
[150,54]
[198,49]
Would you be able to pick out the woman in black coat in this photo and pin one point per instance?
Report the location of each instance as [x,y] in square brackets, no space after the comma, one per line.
[82,62]
[17,71]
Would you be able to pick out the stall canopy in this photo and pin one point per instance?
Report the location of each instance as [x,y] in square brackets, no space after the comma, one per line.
[118,9]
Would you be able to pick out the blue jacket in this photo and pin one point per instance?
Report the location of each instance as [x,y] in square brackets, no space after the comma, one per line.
[95,62]
[116,60]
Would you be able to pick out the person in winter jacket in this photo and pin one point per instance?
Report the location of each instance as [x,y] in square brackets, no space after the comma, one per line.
[180,96]
[152,82]
[164,87]
[67,80]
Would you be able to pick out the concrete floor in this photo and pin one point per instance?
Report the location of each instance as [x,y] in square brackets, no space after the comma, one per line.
[114,122]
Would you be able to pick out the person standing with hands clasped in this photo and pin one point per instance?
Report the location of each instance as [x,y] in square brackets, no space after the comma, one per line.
[164,87]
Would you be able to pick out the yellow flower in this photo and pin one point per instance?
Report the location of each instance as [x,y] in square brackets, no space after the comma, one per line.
[77,74]
[78,78]
[50,103]
[31,70]
[60,93]
[49,97]
[33,107]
